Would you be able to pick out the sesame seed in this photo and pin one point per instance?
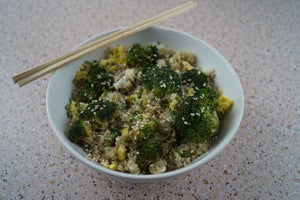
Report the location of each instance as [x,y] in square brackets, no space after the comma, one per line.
[185,122]
[192,114]
[204,84]
[182,118]
[163,85]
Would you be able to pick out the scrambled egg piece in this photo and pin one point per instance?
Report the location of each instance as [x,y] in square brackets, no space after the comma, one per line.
[112,166]
[131,98]
[190,92]
[125,132]
[187,66]
[174,102]
[117,56]
[121,152]
[80,75]
[224,104]
[75,107]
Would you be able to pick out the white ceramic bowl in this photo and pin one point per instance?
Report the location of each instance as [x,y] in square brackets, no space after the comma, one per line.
[61,85]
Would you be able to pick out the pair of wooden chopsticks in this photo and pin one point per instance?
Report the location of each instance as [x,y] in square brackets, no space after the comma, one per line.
[30,75]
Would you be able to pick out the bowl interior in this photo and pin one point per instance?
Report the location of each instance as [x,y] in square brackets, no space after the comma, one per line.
[61,85]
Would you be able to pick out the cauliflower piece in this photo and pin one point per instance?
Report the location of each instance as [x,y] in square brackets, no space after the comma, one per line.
[158,167]
[125,81]
[132,167]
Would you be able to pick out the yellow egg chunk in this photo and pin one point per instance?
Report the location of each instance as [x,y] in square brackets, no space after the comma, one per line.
[80,75]
[121,150]
[117,56]
[173,104]
[224,105]
[187,66]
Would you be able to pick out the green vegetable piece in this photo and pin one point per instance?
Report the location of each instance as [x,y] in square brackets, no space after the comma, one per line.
[139,56]
[205,128]
[147,132]
[78,132]
[149,151]
[163,80]
[101,109]
[195,118]
[186,153]
[94,82]
[195,78]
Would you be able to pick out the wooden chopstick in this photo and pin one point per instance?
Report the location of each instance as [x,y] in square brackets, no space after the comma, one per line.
[52,65]
[22,75]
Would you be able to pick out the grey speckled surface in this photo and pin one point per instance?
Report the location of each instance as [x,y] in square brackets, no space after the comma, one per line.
[261,39]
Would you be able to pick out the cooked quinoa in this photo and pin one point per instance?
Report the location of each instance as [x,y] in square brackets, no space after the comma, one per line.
[145,109]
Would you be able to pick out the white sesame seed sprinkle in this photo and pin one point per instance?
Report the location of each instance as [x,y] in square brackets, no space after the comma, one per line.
[163,85]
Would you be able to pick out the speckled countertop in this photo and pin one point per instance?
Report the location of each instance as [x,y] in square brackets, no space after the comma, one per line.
[261,39]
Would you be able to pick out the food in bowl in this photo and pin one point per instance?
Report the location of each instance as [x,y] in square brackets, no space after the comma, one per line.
[145,109]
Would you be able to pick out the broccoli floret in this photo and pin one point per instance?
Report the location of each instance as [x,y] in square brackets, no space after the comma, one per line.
[90,82]
[196,119]
[203,128]
[151,143]
[101,109]
[148,152]
[163,80]
[79,133]
[139,56]
[195,78]
[148,131]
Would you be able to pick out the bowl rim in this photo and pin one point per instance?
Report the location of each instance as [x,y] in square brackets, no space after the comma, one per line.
[137,177]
